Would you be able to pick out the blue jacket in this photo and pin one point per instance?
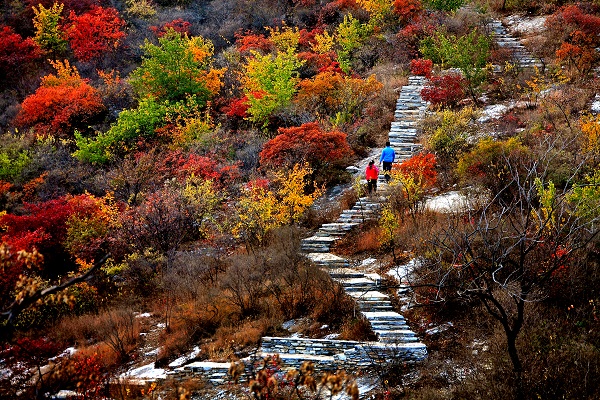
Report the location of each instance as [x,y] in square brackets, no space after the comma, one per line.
[387,155]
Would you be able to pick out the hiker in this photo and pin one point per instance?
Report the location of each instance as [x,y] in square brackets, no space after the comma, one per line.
[372,174]
[388,155]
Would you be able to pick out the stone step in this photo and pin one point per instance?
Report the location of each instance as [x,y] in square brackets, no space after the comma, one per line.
[375,305]
[345,273]
[328,260]
[384,317]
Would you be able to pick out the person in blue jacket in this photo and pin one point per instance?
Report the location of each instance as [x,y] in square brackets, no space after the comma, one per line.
[387,157]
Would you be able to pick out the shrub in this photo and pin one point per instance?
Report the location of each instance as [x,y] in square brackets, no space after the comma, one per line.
[421,67]
[444,91]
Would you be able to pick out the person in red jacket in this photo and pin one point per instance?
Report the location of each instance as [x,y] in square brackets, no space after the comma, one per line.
[372,174]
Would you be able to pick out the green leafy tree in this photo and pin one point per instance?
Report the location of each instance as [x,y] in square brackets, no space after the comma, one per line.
[47,29]
[174,69]
[469,53]
[350,35]
[270,83]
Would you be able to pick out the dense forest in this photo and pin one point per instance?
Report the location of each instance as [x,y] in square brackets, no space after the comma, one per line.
[164,158]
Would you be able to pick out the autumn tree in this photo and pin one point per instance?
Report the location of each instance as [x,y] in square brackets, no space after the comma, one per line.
[62,103]
[407,9]
[178,67]
[265,205]
[15,52]
[573,33]
[350,35]
[306,143]
[414,176]
[269,83]
[444,90]
[48,33]
[334,96]
[506,254]
[94,33]
[469,53]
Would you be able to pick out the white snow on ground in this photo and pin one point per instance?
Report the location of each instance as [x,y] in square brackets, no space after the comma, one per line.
[185,358]
[143,315]
[595,108]
[145,372]
[520,24]
[448,202]
[368,261]
[401,272]
[492,112]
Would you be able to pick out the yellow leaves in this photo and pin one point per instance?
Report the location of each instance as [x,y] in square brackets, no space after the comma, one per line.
[291,192]
[201,48]
[323,43]
[66,75]
[261,209]
[213,79]
[285,38]
[590,127]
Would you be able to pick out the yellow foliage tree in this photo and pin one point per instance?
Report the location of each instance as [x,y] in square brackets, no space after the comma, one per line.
[46,22]
[590,127]
[262,208]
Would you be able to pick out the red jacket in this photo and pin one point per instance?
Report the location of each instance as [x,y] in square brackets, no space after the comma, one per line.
[372,173]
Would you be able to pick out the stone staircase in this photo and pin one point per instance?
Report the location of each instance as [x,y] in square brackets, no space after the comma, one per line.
[505,40]
[396,341]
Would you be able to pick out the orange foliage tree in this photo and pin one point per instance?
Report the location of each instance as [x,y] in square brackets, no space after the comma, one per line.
[330,93]
[416,175]
[94,33]
[306,143]
[63,102]
[578,35]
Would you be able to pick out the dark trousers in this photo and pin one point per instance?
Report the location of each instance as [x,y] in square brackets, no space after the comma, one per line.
[372,185]
[387,168]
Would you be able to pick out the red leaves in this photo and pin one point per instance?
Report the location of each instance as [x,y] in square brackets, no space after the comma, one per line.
[421,67]
[407,9]
[445,90]
[421,167]
[94,33]
[61,104]
[178,25]
[305,143]
[15,52]
[250,41]
[238,108]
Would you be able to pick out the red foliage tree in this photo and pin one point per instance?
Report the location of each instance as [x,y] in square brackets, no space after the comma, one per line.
[178,25]
[422,67]
[421,167]
[306,143]
[251,41]
[15,52]
[407,9]
[62,103]
[94,33]
[44,226]
[238,108]
[445,90]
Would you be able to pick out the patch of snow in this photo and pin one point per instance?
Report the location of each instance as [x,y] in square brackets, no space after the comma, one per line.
[332,336]
[368,261]
[65,394]
[161,325]
[287,325]
[521,25]
[440,328]
[324,326]
[448,202]
[143,315]
[492,112]
[152,352]
[595,108]
[402,272]
[145,372]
